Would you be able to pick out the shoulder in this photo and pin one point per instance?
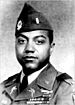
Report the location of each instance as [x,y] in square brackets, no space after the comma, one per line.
[61,77]
[9,81]
[64,77]
[65,84]
[65,93]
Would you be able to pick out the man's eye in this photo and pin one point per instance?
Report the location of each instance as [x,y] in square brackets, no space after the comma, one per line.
[21,41]
[40,42]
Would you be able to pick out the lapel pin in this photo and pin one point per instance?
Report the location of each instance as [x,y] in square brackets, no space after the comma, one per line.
[47,82]
[32,91]
[13,89]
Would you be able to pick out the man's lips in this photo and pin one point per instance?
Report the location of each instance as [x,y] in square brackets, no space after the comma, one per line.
[29,58]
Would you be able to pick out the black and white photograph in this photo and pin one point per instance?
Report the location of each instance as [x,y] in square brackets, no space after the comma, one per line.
[37,52]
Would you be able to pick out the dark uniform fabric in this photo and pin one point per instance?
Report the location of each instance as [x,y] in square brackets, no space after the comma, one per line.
[30,19]
[50,88]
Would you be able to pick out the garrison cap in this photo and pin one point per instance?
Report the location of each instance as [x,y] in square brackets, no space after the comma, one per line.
[30,20]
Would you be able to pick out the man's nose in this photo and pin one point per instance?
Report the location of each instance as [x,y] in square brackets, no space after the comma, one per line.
[29,48]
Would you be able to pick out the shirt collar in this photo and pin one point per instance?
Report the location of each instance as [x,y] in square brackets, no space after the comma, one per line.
[33,76]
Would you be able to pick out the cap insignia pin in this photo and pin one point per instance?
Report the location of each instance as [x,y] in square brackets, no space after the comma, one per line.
[37,21]
[19,25]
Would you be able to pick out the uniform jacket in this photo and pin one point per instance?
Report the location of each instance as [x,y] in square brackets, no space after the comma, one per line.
[50,88]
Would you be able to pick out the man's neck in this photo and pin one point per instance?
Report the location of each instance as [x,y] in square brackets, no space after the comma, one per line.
[32,76]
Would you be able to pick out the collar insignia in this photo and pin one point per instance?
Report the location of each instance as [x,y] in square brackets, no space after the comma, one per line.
[47,82]
[32,91]
[13,89]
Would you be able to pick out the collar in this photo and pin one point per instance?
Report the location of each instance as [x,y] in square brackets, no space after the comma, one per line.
[45,80]
[33,76]
[47,77]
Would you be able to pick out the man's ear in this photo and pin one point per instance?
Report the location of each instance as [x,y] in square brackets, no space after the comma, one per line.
[52,47]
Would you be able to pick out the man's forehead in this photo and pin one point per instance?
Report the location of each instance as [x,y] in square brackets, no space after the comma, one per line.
[36,33]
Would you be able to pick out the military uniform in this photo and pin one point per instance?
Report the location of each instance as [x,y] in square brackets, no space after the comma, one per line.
[50,88]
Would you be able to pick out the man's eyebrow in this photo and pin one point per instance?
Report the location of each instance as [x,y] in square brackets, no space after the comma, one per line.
[42,36]
[21,35]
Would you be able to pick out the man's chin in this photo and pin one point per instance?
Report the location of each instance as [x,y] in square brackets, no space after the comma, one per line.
[30,68]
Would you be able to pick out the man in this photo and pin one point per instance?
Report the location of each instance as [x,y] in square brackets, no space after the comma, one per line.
[34,45]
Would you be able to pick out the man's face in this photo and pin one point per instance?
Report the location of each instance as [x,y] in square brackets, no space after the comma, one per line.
[33,50]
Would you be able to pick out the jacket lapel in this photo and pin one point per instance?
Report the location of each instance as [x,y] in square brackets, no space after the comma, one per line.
[47,78]
[44,81]
[31,91]
[12,86]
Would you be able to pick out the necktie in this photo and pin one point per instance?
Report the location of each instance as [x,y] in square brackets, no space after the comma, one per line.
[24,83]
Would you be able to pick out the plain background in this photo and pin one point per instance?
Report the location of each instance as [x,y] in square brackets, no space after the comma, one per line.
[60,13]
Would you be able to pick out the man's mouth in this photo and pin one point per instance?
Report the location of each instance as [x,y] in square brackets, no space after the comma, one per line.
[30,58]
